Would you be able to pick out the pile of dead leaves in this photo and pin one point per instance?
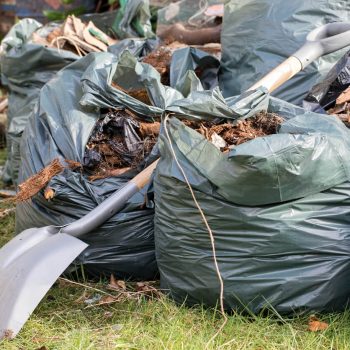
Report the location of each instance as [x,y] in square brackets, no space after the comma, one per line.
[315,325]
[139,94]
[76,36]
[115,291]
[160,59]
[227,135]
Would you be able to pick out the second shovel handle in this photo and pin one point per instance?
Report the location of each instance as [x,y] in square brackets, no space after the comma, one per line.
[279,75]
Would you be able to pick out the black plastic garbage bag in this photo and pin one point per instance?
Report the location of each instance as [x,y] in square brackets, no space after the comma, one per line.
[25,68]
[278,207]
[323,95]
[257,35]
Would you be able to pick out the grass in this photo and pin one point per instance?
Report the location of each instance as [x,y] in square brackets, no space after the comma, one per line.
[63,322]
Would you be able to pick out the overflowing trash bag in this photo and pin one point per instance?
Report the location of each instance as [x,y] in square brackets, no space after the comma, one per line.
[278,207]
[257,35]
[108,107]
[324,95]
[25,68]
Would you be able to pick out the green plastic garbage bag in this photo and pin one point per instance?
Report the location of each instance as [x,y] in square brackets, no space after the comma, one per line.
[25,68]
[258,35]
[278,207]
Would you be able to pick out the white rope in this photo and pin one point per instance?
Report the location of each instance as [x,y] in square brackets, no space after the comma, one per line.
[212,240]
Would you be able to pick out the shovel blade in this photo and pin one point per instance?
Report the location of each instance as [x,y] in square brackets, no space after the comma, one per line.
[29,265]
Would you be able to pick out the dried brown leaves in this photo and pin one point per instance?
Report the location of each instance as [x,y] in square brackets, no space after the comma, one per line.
[160,59]
[315,325]
[262,124]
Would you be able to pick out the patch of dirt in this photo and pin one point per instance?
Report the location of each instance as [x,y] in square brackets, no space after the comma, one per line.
[139,94]
[119,142]
[160,59]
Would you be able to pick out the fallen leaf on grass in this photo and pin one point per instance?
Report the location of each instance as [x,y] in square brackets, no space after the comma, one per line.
[316,325]
[107,299]
[147,290]
[116,284]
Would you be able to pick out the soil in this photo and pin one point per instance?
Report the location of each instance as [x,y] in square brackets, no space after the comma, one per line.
[160,59]
[139,94]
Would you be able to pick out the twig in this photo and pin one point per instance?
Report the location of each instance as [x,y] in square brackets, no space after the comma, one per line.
[86,286]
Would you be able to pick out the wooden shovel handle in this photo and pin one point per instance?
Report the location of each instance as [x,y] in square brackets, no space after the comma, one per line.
[279,75]
[141,179]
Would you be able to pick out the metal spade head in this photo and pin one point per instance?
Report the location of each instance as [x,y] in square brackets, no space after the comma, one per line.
[29,265]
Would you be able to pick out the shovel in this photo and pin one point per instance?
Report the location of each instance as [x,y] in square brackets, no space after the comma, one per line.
[32,261]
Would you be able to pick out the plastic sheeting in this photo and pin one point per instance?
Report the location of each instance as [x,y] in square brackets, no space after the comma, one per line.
[25,68]
[281,230]
[323,95]
[258,35]
[133,20]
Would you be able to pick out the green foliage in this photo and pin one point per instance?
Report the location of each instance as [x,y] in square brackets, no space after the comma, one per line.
[53,15]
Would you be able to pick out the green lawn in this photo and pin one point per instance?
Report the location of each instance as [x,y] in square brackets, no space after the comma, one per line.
[64,321]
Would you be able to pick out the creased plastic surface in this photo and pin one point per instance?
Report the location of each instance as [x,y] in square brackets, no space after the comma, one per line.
[133,20]
[25,68]
[279,210]
[258,35]
[323,95]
